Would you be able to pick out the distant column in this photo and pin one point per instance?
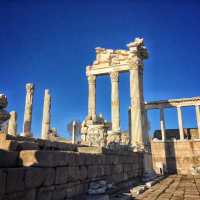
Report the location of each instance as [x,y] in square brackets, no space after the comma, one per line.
[162,124]
[28,110]
[198,118]
[115,101]
[92,96]
[46,115]
[12,124]
[73,132]
[180,123]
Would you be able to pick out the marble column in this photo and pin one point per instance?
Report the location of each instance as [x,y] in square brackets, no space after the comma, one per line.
[115,111]
[46,115]
[137,135]
[180,123]
[198,118]
[12,124]
[92,96]
[162,124]
[73,132]
[28,110]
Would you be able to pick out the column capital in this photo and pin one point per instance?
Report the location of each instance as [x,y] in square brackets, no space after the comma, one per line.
[114,76]
[91,79]
[29,87]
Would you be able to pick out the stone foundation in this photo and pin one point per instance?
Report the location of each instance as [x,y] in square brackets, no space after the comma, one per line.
[182,157]
[33,170]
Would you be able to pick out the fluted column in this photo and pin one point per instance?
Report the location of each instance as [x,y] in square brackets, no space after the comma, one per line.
[180,123]
[92,96]
[136,94]
[115,110]
[162,124]
[12,124]
[46,115]
[28,110]
[198,118]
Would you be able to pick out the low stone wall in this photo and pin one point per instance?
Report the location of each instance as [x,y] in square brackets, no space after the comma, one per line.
[182,157]
[43,174]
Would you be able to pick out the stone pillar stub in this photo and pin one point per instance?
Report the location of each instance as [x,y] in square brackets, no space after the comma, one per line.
[162,124]
[180,123]
[115,110]
[46,115]
[12,123]
[198,118]
[92,96]
[28,110]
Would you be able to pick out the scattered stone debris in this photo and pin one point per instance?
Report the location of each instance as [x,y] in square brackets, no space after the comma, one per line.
[98,187]
[195,170]
[138,190]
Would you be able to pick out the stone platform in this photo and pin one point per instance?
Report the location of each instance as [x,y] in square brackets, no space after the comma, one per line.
[174,187]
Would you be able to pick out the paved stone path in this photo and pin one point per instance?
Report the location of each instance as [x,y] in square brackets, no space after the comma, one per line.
[174,187]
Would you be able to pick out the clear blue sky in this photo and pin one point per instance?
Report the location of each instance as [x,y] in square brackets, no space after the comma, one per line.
[49,43]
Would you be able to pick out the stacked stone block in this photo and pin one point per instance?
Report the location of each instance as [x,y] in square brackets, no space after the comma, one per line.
[43,172]
[178,156]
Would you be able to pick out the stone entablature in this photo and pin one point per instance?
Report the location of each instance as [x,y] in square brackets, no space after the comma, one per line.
[173,103]
[109,60]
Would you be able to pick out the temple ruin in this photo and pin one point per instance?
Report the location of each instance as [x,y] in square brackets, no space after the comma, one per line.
[106,161]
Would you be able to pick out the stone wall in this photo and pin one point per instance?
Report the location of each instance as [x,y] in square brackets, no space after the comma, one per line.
[44,170]
[182,157]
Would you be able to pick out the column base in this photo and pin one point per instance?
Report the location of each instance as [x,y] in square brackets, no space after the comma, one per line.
[114,137]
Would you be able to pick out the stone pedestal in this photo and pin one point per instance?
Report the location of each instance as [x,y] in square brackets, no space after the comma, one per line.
[28,110]
[97,135]
[46,115]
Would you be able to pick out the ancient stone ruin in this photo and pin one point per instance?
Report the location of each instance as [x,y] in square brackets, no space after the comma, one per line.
[107,164]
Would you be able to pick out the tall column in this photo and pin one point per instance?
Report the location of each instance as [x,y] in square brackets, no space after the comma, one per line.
[46,115]
[180,123]
[162,124]
[198,118]
[28,110]
[137,135]
[12,124]
[137,53]
[92,96]
[115,101]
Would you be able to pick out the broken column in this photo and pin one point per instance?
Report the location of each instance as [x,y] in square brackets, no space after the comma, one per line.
[12,124]
[46,115]
[4,115]
[137,53]
[28,110]
[73,132]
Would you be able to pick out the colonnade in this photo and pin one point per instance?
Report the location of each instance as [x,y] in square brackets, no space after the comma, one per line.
[178,104]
